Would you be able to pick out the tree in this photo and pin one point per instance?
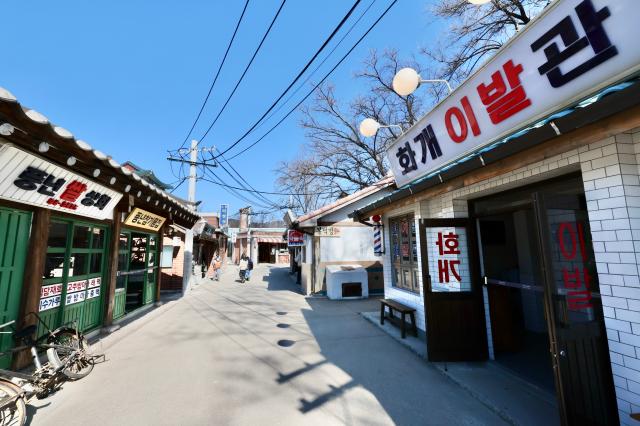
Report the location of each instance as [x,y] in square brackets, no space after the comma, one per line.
[476,31]
[337,159]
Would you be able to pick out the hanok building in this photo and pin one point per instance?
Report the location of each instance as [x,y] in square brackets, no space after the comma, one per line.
[80,235]
[515,228]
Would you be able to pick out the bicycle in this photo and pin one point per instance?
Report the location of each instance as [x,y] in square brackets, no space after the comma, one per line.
[68,356]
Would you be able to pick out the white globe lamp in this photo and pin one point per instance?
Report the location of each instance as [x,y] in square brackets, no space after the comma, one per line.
[369,127]
[478,2]
[406,81]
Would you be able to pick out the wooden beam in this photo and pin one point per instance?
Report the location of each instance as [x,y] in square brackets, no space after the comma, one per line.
[32,283]
[113,268]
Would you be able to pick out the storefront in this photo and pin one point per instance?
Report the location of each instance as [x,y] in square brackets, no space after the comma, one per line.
[515,233]
[79,234]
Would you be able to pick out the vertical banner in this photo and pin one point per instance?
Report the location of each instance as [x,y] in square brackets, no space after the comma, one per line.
[224,215]
[378,246]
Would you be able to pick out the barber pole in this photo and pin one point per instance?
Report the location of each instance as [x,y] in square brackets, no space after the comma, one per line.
[378,249]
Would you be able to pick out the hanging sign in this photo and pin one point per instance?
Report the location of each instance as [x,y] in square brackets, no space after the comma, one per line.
[26,178]
[327,231]
[144,219]
[573,49]
[295,238]
[224,215]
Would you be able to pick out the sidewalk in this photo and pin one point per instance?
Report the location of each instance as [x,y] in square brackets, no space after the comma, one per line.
[513,399]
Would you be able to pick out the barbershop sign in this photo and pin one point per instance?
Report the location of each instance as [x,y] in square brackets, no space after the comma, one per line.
[25,178]
[573,49]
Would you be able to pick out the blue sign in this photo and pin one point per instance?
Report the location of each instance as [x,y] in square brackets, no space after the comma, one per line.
[224,215]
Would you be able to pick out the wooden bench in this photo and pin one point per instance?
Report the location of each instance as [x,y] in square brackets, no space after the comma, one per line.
[404,310]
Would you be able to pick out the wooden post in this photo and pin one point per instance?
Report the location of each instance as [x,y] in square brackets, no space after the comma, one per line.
[113,268]
[159,263]
[32,283]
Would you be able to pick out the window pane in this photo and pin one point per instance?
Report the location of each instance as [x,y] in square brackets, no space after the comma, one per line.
[121,281]
[152,258]
[81,236]
[53,265]
[123,242]
[57,234]
[96,263]
[98,238]
[78,263]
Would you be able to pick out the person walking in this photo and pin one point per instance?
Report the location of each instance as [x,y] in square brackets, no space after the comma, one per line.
[216,264]
[243,264]
[249,268]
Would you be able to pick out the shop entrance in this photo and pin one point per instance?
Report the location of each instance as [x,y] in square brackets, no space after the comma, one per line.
[544,303]
[14,238]
[137,271]
[73,276]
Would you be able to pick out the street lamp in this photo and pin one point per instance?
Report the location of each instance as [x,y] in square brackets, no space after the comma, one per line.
[369,127]
[407,80]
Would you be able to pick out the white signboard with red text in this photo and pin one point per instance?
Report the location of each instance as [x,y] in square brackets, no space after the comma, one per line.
[573,49]
[26,178]
[448,259]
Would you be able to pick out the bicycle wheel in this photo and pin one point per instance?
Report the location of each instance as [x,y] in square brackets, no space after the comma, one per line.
[13,411]
[82,364]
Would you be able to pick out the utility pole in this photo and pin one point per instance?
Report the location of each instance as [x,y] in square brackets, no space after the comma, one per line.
[187,271]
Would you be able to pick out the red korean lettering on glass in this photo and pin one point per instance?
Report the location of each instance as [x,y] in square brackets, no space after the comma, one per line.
[576,279]
[448,244]
[464,119]
[501,101]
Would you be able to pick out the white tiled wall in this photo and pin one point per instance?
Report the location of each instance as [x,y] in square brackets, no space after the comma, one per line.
[610,171]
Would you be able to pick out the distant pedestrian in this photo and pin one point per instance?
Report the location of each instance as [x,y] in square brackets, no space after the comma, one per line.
[249,268]
[244,263]
[216,264]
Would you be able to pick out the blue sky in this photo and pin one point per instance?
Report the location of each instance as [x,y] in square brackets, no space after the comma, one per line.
[129,76]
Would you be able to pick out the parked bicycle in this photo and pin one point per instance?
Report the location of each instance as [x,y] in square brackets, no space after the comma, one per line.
[68,357]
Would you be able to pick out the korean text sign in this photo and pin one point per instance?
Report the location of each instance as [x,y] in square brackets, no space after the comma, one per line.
[144,219]
[448,259]
[28,179]
[575,48]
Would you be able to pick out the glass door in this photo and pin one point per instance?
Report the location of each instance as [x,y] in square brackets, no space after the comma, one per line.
[74,272]
[152,270]
[579,347]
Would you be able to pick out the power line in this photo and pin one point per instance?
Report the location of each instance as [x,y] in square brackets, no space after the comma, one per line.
[326,42]
[345,35]
[313,89]
[264,37]
[215,79]
[232,190]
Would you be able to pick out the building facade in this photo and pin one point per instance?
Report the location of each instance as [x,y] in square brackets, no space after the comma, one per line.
[81,235]
[516,239]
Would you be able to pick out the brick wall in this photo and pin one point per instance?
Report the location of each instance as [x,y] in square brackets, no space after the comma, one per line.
[610,172]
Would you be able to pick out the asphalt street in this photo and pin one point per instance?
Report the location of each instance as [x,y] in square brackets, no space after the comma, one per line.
[259,354]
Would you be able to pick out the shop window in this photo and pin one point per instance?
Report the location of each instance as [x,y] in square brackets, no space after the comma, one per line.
[81,236]
[58,235]
[121,280]
[97,241]
[53,266]
[123,242]
[95,266]
[404,253]
[78,263]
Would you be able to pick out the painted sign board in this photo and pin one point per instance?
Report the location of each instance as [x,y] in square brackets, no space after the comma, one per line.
[295,238]
[224,215]
[144,219]
[327,231]
[572,50]
[29,179]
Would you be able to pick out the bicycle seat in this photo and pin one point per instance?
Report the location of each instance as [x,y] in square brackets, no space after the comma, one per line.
[28,331]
